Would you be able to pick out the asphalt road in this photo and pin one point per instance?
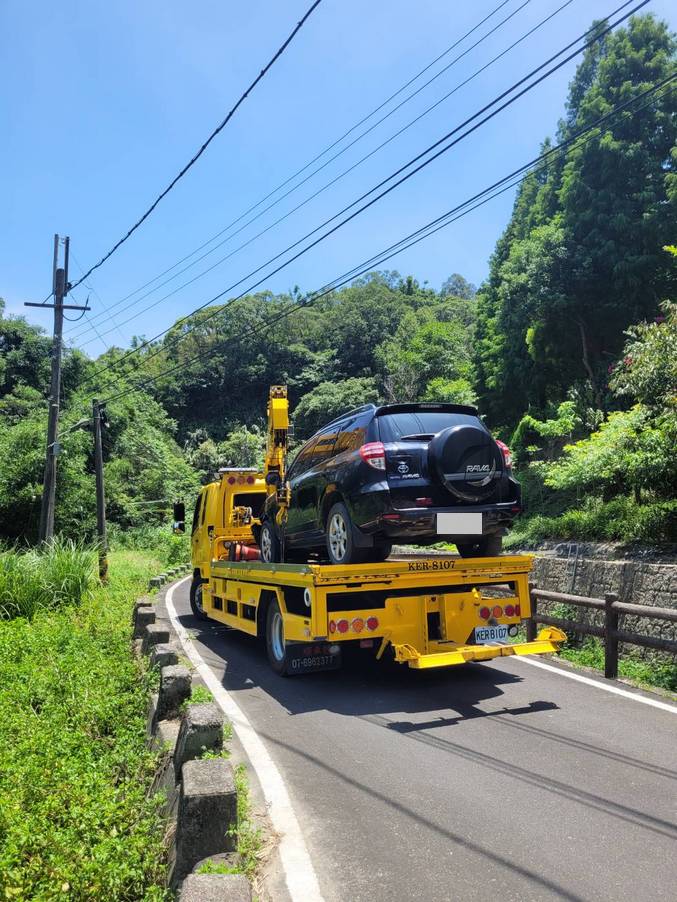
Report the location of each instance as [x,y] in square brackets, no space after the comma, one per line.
[489,781]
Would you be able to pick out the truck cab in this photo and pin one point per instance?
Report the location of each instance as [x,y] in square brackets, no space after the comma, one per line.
[226,511]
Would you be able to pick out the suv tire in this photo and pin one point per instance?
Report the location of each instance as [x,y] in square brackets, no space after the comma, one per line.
[487,546]
[196,598]
[379,553]
[339,536]
[269,544]
[276,647]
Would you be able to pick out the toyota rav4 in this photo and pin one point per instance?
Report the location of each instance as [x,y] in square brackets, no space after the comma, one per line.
[405,473]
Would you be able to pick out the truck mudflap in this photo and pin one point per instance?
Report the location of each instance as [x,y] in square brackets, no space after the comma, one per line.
[443,654]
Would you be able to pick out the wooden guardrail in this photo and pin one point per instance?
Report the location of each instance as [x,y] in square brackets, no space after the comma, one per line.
[613,609]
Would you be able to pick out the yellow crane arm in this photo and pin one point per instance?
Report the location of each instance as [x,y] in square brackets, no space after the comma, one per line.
[274,468]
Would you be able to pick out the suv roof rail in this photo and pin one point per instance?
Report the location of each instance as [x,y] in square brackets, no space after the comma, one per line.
[349,413]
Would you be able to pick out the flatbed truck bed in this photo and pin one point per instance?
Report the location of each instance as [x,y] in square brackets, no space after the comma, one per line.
[425,611]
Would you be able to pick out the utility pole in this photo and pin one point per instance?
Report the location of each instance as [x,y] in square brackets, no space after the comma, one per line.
[100,494]
[60,288]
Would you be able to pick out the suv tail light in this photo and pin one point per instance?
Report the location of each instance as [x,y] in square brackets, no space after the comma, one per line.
[374,454]
[505,451]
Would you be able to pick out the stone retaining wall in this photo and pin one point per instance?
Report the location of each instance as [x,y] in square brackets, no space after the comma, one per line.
[637,582]
[200,795]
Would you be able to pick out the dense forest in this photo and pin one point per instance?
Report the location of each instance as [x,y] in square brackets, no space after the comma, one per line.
[568,348]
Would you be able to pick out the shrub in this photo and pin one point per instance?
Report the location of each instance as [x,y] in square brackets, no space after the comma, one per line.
[169,547]
[77,820]
[618,520]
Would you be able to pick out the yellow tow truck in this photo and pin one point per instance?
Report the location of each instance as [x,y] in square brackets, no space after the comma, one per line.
[423,611]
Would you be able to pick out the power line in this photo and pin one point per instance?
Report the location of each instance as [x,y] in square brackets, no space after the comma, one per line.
[442,150]
[317,170]
[205,145]
[318,156]
[469,205]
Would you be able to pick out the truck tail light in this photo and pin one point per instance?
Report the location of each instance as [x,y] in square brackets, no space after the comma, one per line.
[517,610]
[332,626]
[497,611]
[509,610]
[485,613]
[505,451]
[374,454]
[372,623]
[357,625]
[343,626]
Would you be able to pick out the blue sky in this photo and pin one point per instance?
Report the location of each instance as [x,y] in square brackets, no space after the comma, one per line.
[104,102]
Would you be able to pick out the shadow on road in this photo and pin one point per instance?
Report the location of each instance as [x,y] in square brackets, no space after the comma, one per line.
[363,685]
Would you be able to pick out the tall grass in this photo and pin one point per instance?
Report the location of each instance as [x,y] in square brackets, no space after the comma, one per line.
[59,574]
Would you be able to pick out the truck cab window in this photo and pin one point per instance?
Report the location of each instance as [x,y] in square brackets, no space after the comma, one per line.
[196,513]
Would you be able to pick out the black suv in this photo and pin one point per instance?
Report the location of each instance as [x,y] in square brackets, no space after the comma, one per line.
[414,473]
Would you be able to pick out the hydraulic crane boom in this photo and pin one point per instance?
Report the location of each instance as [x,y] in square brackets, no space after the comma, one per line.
[275,465]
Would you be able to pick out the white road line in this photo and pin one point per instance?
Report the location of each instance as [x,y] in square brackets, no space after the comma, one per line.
[616,690]
[298,867]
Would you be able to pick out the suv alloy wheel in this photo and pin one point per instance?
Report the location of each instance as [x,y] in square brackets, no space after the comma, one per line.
[269,544]
[339,532]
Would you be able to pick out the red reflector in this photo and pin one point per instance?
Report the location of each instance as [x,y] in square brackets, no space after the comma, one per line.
[485,613]
[517,610]
[332,626]
[509,610]
[343,626]
[390,516]
[372,623]
[231,480]
[250,480]
[358,625]
[374,454]
[424,502]
[497,611]
[515,509]
[366,643]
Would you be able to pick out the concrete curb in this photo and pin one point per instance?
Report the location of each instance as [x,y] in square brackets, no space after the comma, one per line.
[200,796]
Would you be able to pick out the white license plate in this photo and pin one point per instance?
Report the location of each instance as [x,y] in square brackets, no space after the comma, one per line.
[459,524]
[487,635]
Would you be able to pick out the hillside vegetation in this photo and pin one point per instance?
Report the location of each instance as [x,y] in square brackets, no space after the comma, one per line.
[568,348]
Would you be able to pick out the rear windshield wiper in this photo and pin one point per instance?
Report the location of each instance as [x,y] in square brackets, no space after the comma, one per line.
[417,437]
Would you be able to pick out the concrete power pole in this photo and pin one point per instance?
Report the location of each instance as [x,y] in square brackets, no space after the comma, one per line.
[100,494]
[60,288]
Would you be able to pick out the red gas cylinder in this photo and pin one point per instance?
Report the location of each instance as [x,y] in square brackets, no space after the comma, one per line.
[239,552]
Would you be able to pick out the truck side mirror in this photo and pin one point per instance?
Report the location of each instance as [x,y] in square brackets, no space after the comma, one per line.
[179,524]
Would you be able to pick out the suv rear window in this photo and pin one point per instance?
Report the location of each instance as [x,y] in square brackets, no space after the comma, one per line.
[393,426]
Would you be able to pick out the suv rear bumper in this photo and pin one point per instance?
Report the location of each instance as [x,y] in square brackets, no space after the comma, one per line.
[421,523]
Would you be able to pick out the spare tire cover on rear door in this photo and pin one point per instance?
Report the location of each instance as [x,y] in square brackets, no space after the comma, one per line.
[466,460]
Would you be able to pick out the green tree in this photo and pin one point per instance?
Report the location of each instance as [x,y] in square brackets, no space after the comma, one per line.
[329,400]
[458,287]
[582,256]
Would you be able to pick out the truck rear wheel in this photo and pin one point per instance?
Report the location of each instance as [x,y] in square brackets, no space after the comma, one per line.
[196,598]
[276,646]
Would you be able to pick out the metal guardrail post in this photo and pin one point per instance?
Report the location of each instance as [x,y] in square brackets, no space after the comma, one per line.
[610,637]
[532,627]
